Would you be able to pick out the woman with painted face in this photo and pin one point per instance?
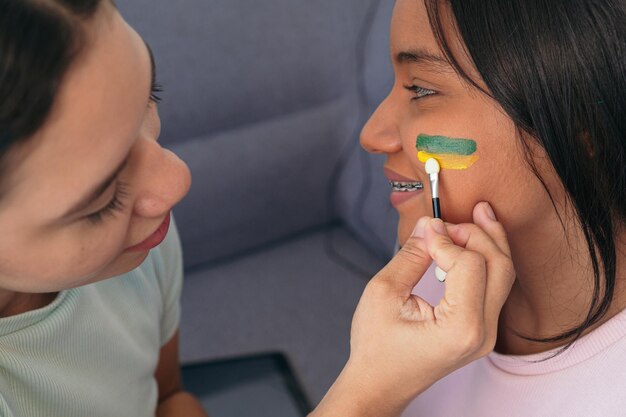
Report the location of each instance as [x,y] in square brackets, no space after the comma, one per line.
[522,103]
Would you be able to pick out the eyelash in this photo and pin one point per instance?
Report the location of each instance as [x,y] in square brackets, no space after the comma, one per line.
[420,92]
[156,88]
[116,205]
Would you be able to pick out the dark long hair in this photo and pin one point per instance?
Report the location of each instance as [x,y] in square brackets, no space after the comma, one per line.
[38,41]
[558,69]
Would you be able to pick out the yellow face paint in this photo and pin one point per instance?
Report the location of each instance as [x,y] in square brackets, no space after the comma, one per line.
[449,161]
[451,153]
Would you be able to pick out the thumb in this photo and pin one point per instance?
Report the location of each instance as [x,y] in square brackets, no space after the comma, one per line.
[410,263]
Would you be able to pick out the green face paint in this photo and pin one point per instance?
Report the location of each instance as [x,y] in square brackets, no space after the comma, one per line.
[451,153]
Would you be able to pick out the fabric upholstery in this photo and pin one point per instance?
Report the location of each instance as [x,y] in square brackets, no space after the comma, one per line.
[292,298]
[262,182]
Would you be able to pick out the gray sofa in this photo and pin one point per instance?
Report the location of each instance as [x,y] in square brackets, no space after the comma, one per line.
[287,217]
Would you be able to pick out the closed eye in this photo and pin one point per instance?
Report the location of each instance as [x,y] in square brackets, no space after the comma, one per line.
[154,92]
[115,205]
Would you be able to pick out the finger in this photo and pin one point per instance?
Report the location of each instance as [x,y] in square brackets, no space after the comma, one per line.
[472,237]
[485,217]
[466,274]
[500,274]
[410,263]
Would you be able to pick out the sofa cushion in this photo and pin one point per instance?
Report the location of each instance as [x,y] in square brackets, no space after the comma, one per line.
[363,192]
[293,298]
[260,183]
[225,64]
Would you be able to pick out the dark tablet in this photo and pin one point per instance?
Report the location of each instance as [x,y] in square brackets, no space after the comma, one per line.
[258,386]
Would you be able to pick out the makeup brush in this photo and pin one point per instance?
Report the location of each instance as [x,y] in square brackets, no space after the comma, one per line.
[432,169]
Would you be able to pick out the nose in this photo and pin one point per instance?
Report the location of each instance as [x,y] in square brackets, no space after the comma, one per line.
[380,134]
[163,180]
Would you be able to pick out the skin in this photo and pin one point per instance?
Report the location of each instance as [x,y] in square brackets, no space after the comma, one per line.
[553,288]
[102,116]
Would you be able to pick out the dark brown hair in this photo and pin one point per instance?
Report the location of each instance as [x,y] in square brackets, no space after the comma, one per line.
[38,41]
[558,69]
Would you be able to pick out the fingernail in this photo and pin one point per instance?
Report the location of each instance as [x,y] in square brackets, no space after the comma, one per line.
[438,226]
[420,227]
[489,211]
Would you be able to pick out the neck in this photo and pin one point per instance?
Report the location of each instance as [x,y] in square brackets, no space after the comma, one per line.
[554,288]
[14,303]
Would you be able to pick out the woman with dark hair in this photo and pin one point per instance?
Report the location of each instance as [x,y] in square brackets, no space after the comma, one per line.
[538,89]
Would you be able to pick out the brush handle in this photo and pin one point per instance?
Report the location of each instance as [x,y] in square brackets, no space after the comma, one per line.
[436,208]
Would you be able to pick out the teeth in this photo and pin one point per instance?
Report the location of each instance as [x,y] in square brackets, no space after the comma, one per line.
[406,186]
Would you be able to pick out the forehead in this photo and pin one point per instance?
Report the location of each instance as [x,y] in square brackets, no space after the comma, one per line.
[410,27]
[411,30]
[97,112]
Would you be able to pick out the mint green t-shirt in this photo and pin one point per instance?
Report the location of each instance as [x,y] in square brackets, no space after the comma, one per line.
[93,351]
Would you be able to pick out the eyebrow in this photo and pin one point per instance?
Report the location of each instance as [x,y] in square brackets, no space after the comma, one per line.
[100,188]
[422,57]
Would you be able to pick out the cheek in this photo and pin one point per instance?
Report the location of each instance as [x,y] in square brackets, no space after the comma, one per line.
[60,261]
[500,176]
[89,256]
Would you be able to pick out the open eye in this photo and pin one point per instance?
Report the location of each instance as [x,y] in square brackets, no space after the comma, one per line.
[419,92]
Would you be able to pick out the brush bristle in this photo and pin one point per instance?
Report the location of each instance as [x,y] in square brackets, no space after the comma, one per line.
[432,166]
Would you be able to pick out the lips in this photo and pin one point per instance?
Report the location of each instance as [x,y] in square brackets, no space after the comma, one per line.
[394,176]
[403,188]
[154,239]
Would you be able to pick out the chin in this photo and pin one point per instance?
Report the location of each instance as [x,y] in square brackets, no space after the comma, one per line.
[122,265]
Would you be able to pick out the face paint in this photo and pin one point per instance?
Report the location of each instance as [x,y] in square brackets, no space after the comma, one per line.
[452,153]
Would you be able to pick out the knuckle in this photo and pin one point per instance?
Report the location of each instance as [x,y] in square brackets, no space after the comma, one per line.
[375,287]
[489,344]
[472,228]
[506,267]
[473,261]
[473,341]
[411,252]
[439,247]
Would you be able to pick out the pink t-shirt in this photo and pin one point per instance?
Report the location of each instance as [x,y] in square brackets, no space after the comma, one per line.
[588,380]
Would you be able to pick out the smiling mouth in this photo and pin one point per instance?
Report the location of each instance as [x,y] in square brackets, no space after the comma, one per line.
[406,187]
